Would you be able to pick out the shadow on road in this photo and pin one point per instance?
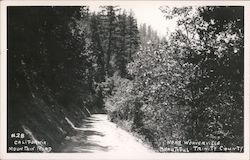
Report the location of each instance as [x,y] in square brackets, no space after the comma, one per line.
[98,134]
[80,141]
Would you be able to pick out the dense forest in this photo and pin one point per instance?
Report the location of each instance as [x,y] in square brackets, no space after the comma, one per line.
[57,59]
[66,63]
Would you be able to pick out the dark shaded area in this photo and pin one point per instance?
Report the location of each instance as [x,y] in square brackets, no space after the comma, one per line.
[57,59]
[40,92]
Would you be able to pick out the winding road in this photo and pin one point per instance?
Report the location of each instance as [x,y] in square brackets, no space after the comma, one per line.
[98,135]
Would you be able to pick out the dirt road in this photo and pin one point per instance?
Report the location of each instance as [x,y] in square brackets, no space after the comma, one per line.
[98,134]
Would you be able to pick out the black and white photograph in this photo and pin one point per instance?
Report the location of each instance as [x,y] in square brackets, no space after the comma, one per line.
[125,79]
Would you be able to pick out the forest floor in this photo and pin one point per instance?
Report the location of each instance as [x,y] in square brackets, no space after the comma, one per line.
[97,134]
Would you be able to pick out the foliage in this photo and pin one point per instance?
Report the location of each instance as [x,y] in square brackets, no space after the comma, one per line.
[67,62]
[213,42]
[148,36]
[190,87]
[57,58]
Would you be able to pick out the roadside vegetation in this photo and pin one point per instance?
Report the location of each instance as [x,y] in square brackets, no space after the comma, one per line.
[189,86]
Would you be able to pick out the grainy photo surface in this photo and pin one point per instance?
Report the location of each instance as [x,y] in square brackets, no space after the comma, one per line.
[114,79]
